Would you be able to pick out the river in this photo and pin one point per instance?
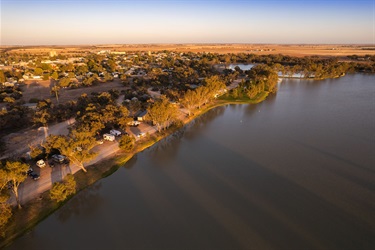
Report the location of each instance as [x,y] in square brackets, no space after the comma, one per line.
[296,171]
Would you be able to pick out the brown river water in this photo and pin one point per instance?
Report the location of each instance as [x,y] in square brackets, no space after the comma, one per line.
[296,171]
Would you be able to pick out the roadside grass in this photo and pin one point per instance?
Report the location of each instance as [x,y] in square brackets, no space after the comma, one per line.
[35,211]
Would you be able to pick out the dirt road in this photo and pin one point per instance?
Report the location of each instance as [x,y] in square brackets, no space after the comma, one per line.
[18,143]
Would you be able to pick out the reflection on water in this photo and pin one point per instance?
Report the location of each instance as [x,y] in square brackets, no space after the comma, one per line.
[294,172]
[83,203]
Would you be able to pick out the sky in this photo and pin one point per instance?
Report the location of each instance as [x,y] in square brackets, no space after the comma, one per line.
[76,22]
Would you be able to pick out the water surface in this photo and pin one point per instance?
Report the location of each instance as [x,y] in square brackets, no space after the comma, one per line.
[294,172]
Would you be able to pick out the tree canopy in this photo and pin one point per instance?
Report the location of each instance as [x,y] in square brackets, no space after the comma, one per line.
[62,190]
[162,113]
[13,174]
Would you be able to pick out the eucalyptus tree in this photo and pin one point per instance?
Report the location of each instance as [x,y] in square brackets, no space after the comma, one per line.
[190,100]
[13,174]
[77,147]
[62,190]
[162,113]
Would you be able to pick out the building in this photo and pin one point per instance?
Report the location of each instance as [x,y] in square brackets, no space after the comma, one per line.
[140,115]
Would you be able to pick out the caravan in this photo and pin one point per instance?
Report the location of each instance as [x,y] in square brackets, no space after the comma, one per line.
[108,137]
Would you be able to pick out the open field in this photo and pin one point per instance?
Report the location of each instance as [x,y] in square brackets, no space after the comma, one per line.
[42,90]
[261,49]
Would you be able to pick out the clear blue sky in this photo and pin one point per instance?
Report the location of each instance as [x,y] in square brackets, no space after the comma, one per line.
[62,22]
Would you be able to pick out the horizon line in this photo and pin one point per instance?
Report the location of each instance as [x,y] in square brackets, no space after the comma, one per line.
[179,44]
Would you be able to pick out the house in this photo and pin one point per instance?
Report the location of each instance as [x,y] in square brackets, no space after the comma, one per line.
[140,115]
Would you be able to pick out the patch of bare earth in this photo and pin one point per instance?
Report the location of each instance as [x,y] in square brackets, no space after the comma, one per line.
[42,90]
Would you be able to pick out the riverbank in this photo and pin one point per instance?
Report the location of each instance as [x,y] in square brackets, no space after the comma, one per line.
[38,209]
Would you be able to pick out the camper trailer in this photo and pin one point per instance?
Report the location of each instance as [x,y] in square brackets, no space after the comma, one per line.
[108,137]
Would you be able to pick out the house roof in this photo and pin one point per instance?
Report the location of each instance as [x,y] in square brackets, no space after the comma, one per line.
[141,113]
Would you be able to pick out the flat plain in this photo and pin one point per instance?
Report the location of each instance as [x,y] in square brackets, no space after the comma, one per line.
[299,50]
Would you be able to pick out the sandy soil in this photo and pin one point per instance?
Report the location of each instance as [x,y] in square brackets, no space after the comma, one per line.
[18,143]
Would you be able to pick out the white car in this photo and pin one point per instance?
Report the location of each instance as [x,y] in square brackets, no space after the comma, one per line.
[115,132]
[41,163]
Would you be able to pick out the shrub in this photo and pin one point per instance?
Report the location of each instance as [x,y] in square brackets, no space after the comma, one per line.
[127,143]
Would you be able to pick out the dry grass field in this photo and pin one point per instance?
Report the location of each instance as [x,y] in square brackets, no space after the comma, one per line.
[260,49]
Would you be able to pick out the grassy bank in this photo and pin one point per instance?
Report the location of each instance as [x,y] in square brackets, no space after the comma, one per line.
[229,99]
[38,209]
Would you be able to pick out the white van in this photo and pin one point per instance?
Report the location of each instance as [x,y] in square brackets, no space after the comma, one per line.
[108,137]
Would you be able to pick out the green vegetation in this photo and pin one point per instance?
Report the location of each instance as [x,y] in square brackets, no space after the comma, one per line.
[60,191]
[243,99]
[127,143]
[5,208]
[195,99]
[162,113]
[13,174]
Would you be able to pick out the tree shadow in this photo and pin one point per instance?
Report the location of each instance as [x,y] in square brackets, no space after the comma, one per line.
[86,202]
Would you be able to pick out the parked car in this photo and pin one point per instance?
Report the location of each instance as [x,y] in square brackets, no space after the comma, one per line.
[59,158]
[108,137]
[41,163]
[115,132]
[34,176]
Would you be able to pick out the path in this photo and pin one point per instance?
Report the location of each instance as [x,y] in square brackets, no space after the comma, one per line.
[18,143]
[153,94]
